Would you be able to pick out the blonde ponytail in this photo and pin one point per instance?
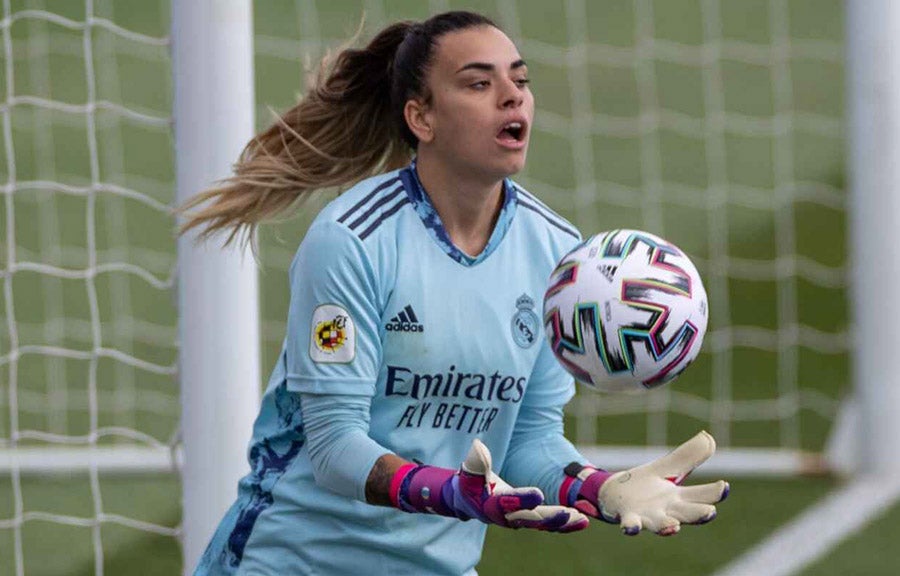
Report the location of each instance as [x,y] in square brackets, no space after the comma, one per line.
[348,126]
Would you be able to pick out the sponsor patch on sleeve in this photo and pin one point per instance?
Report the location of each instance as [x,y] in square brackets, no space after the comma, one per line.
[333,338]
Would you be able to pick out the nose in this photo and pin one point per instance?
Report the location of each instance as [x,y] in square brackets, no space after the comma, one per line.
[512,96]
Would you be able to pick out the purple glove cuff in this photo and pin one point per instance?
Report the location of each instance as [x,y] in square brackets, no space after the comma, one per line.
[581,483]
[421,490]
[590,487]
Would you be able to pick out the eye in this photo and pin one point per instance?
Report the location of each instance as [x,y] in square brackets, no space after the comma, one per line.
[480,85]
[522,82]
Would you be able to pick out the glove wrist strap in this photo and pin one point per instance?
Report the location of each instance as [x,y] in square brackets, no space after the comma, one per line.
[590,488]
[581,482]
[420,489]
[397,481]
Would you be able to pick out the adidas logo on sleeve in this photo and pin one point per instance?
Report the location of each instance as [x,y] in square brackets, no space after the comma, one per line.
[405,321]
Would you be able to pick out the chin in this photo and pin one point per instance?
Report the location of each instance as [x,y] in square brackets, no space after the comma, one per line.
[510,163]
[515,166]
[500,167]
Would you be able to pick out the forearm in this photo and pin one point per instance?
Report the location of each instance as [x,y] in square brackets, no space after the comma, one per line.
[347,461]
[336,428]
[378,484]
[538,451]
[340,450]
[539,460]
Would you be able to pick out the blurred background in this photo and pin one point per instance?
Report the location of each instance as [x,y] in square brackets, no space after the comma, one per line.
[716,124]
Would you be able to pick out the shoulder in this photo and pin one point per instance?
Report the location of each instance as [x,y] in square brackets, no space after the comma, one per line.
[543,222]
[342,235]
[367,205]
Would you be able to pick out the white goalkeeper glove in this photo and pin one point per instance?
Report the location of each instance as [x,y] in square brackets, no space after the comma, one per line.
[650,496]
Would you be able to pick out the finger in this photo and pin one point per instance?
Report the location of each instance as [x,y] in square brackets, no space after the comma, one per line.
[521,499]
[705,493]
[521,518]
[537,518]
[669,530]
[575,524]
[681,461]
[692,513]
[588,509]
[631,524]
[498,484]
[524,499]
[478,460]
[496,508]
[574,520]
[548,518]
[661,523]
[608,516]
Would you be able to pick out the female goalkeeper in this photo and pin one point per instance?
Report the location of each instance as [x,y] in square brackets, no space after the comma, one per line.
[414,358]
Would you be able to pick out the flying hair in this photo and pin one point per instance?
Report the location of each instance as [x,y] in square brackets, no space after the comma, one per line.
[348,126]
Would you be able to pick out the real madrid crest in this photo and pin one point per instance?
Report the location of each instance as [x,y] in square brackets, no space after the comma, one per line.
[525,323]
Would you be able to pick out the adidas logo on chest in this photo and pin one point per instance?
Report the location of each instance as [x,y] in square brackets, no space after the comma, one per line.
[405,321]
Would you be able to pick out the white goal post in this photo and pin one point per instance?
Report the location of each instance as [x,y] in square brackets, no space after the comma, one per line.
[218,295]
[873,90]
[870,426]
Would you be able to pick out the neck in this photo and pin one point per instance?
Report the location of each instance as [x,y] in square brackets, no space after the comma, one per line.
[468,206]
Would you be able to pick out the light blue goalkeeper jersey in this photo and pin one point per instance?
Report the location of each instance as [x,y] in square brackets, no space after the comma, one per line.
[446,347]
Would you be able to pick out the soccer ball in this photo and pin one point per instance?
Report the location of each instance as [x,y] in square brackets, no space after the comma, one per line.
[625,311]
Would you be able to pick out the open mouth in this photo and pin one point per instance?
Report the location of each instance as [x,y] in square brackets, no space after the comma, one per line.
[512,133]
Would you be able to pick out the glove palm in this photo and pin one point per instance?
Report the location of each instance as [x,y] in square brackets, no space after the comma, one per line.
[650,496]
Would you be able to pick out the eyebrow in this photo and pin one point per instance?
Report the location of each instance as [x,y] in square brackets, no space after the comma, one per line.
[486,67]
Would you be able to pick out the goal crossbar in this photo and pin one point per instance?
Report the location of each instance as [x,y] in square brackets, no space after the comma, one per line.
[731,462]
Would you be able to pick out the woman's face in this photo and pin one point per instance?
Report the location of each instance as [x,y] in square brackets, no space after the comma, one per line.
[481,108]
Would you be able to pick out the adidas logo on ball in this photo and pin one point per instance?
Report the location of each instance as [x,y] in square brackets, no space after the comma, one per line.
[608,271]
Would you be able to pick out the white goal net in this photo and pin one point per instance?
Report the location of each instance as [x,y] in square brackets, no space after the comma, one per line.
[714,124]
[88,346]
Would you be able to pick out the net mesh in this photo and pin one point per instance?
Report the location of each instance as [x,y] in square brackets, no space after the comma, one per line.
[717,125]
[89,346]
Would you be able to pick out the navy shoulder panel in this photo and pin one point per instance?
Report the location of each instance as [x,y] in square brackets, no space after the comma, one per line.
[530,202]
[375,207]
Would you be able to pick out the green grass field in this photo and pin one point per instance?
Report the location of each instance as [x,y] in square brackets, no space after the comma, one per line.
[755,509]
[717,134]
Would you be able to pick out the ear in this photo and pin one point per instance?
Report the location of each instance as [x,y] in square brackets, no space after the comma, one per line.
[418,117]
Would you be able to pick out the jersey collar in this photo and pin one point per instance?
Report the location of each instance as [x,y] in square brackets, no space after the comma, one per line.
[435,228]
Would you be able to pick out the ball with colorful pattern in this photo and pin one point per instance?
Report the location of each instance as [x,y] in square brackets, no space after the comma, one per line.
[625,311]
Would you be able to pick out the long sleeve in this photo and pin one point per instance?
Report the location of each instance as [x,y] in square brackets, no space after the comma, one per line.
[538,449]
[340,449]
[332,355]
